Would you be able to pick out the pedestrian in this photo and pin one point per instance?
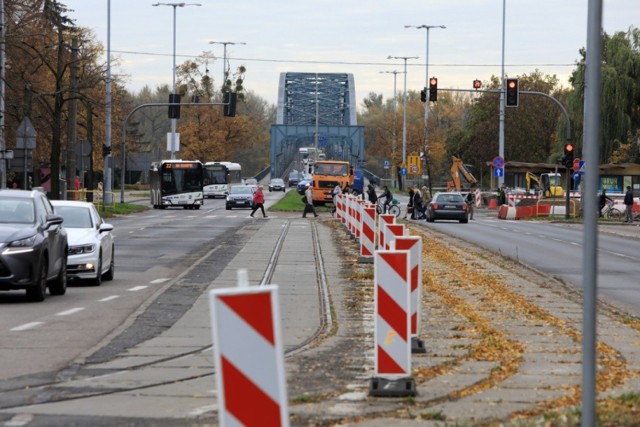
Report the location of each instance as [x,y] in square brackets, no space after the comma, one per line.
[371,193]
[470,200]
[628,202]
[258,201]
[347,189]
[388,197]
[426,199]
[417,203]
[308,199]
[336,191]
[602,201]
[409,210]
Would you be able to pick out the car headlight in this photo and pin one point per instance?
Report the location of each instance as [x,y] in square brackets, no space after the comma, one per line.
[20,246]
[81,249]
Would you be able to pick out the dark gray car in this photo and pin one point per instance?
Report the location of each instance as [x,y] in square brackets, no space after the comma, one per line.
[33,245]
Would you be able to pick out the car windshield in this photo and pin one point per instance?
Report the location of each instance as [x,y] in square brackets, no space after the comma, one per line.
[75,216]
[449,198]
[16,210]
[277,181]
[241,190]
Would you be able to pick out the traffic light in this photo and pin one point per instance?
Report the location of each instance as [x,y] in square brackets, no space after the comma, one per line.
[229,100]
[105,150]
[174,110]
[568,155]
[423,95]
[513,93]
[477,84]
[433,89]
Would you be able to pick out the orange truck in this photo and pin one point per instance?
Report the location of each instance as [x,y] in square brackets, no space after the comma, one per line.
[328,173]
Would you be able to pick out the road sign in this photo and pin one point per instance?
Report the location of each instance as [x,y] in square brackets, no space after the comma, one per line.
[498,163]
[576,164]
[581,165]
[403,171]
[498,172]
[26,135]
[386,164]
[414,169]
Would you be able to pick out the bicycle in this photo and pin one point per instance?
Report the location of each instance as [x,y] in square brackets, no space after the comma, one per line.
[394,207]
[610,212]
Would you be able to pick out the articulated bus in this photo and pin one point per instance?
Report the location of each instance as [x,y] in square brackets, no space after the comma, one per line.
[176,183]
[219,176]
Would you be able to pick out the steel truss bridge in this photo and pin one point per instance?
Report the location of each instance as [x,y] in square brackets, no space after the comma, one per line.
[315,110]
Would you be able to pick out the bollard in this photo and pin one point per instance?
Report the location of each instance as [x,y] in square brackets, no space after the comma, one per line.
[391,232]
[248,354]
[368,235]
[382,220]
[413,244]
[392,336]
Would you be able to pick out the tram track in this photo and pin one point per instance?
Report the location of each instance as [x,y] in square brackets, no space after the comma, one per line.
[83,373]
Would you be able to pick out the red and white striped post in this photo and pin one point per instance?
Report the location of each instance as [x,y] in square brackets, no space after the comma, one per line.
[248,354]
[384,219]
[368,235]
[413,244]
[391,232]
[392,325]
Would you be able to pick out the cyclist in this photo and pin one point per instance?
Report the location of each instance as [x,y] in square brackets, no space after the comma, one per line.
[386,193]
[602,200]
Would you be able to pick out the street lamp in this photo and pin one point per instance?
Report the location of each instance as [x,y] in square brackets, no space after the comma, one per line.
[395,111]
[404,123]
[173,121]
[426,104]
[225,68]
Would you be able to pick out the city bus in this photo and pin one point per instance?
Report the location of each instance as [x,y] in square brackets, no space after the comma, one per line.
[219,176]
[176,183]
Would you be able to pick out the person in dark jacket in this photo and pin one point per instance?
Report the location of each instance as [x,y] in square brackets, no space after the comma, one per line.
[388,197]
[628,203]
[602,201]
[371,193]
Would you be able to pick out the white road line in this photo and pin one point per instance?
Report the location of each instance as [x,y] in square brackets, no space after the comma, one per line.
[161,280]
[70,311]
[112,297]
[26,326]
[19,420]
[137,288]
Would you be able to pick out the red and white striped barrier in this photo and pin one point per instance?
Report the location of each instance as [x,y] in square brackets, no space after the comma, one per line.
[359,204]
[478,198]
[368,235]
[413,244]
[338,201]
[248,354]
[393,323]
[391,232]
[513,199]
[384,219]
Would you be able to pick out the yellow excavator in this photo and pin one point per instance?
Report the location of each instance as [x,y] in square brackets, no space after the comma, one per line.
[457,168]
[549,183]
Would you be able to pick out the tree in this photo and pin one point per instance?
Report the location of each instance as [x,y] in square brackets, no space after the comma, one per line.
[620,115]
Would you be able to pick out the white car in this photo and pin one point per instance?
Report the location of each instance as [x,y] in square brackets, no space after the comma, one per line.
[91,250]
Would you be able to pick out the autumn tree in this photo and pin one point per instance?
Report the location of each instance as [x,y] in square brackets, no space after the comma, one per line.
[620,114]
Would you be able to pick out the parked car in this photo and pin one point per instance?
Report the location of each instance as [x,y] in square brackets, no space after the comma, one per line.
[448,206]
[240,196]
[91,253]
[33,245]
[276,184]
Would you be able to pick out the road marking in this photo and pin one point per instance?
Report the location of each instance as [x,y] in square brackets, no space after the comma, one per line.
[26,326]
[112,297]
[137,288]
[19,420]
[161,280]
[70,311]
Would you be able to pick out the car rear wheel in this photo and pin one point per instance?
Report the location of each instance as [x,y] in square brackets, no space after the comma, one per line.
[38,291]
[228,207]
[59,285]
[110,274]
[97,281]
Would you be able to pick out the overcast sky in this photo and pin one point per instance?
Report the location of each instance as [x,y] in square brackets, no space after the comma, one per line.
[350,36]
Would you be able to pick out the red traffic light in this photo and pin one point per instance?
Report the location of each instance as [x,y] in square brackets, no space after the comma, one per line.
[477,84]
[433,82]
[433,89]
[568,148]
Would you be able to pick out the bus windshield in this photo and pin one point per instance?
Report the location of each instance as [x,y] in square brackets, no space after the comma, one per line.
[181,178]
[176,182]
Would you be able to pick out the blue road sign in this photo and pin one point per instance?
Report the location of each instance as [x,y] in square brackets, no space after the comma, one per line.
[386,164]
[403,171]
[498,172]
[498,163]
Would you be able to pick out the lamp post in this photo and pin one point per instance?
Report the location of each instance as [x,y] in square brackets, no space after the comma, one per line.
[225,67]
[395,116]
[404,122]
[426,104]
[173,121]
[501,127]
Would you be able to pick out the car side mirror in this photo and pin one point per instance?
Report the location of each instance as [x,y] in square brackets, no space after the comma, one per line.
[53,219]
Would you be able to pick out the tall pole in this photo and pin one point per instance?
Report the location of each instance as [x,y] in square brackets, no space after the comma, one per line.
[3,161]
[426,104]
[501,136]
[107,187]
[404,103]
[395,120]
[225,68]
[173,85]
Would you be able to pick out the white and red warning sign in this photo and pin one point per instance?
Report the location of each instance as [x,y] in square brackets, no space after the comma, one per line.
[413,244]
[392,310]
[248,355]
